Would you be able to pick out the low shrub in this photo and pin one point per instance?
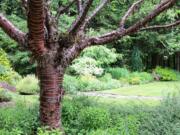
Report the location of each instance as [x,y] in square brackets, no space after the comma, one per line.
[118,73]
[5,96]
[89,83]
[7,74]
[93,118]
[136,78]
[28,85]
[19,119]
[165,74]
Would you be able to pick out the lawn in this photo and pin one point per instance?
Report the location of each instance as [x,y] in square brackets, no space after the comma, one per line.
[150,89]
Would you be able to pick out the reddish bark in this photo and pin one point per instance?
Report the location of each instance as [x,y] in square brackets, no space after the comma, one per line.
[50,96]
[11,30]
[36,24]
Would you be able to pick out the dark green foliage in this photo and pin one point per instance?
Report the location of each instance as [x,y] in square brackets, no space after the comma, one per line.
[136,60]
[165,74]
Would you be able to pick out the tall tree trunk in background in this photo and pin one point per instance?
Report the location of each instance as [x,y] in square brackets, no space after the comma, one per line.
[50,95]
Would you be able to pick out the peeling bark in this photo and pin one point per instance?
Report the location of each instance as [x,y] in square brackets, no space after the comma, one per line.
[51,94]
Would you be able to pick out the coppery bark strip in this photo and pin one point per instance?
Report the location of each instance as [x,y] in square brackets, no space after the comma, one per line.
[12,31]
[36,23]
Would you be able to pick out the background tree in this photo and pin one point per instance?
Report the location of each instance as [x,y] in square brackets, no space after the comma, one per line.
[54,48]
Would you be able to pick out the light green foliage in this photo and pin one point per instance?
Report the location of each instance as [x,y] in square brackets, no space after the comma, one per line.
[28,85]
[6,72]
[139,78]
[44,131]
[165,74]
[89,83]
[118,73]
[102,55]
[93,118]
[85,66]
[5,96]
[18,120]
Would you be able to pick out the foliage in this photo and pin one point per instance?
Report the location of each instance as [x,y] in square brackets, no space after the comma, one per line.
[89,83]
[28,85]
[45,131]
[103,55]
[85,66]
[136,60]
[139,78]
[19,119]
[6,72]
[118,73]
[5,96]
[165,74]
[93,118]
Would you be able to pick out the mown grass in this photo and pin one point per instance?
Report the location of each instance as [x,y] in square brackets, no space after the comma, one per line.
[150,89]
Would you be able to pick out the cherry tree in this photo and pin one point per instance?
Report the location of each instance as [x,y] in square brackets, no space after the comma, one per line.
[54,51]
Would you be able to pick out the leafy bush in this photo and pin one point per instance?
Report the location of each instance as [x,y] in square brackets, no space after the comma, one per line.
[140,78]
[85,66]
[165,74]
[4,95]
[118,73]
[93,118]
[103,55]
[19,119]
[28,85]
[89,83]
[6,72]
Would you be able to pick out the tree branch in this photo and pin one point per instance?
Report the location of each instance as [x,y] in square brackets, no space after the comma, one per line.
[166,26]
[79,5]
[11,30]
[94,13]
[81,18]
[119,33]
[62,10]
[129,12]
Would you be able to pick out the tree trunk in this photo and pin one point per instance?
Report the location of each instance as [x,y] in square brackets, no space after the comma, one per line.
[50,96]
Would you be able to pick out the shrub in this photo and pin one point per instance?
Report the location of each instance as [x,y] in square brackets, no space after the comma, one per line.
[70,84]
[103,55]
[6,72]
[5,96]
[19,119]
[118,73]
[28,85]
[165,74]
[85,66]
[136,78]
[93,118]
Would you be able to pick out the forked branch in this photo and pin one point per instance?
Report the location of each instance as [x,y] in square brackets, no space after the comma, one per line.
[94,13]
[129,12]
[64,9]
[81,18]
